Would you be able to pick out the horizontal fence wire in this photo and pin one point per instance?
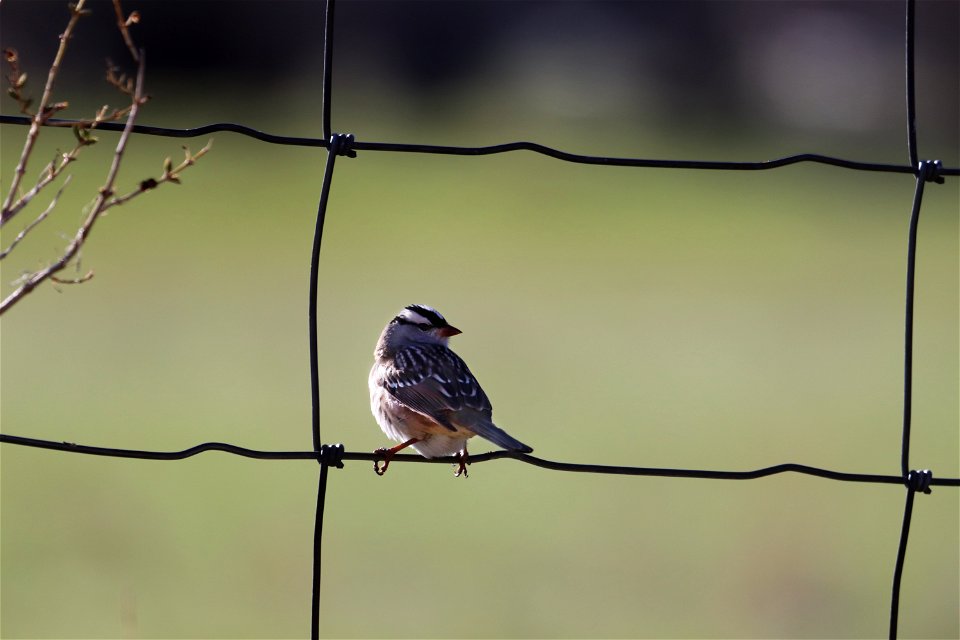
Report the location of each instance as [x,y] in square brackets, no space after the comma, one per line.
[507,147]
[328,456]
[336,458]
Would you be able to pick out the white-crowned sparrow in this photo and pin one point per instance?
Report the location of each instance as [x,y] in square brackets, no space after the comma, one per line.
[424,396]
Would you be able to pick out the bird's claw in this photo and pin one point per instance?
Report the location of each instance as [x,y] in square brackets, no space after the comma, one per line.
[462,462]
[382,451]
[463,459]
[388,455]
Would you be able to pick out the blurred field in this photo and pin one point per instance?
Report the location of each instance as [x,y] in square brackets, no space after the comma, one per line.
[658,318]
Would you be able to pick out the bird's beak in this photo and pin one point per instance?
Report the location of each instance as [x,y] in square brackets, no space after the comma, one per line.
[448,331]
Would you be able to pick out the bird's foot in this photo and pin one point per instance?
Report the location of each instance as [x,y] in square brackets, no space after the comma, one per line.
[388,455]
[382,451]
[462,461]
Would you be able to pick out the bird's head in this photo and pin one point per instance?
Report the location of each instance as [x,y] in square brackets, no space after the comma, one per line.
[420,319]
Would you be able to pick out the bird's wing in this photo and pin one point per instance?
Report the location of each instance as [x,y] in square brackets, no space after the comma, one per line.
[434,381]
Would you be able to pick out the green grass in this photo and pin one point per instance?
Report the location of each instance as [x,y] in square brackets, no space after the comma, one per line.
[657,318]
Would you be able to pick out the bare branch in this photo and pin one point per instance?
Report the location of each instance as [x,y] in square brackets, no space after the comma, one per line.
[40,218]
[82,129]
[44,110]
[123,24]
[120,82]
[170,174]
[106,197]
[17,81]
[105,194]
[50,173]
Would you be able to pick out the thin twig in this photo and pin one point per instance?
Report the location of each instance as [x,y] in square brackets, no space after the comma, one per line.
[105,194]
[170,174]
[40,218]
[50,173]
[17,80]
[87,276]
[44,111]
[123,23]
[81,128]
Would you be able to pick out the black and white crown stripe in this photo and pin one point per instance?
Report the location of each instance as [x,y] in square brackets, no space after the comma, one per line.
[421,315]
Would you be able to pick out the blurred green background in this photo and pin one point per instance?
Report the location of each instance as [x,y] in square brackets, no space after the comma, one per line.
[717,320]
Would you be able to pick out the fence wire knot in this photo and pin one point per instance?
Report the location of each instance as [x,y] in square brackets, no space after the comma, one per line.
[920,480]
[331,455]
[341,144]
[930,171]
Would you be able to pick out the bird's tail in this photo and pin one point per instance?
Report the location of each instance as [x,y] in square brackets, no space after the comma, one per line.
[499,437]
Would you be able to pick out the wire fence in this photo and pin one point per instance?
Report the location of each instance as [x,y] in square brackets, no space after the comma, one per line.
[338,144]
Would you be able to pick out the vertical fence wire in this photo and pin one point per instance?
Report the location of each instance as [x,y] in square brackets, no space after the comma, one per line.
[315,385]
[898,569]
[924,171]
[908,323]
[909,47]
[336,148]
[332,151]
[327,69]
[907,405]
[913,480]
[317,545]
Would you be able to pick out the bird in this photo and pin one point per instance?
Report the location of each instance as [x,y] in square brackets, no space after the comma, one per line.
[424,396]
